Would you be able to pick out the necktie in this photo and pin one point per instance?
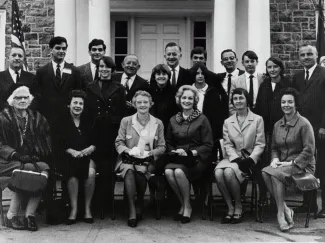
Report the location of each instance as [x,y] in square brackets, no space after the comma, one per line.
[58,73]
[251,91]
[17,76]
[174,78]
[126,85]
[229,83]
[307,77]
[96,73]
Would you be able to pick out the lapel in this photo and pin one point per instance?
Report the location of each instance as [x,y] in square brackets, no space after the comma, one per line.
[153,125]
[249,120]
[8,77]
[259,79]
[111,88]
[313,79]
[51,73]
[88,72]
[94,87]
[135,83]
[242,80]
[65,75]
[234,122]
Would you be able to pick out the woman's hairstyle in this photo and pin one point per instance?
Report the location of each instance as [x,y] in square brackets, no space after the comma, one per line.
[108,62]
[193,71]
[293,92]
[142,93]
[181,91]
[278,62]
[239,91]
[77,93]
[16,90]
[161,68]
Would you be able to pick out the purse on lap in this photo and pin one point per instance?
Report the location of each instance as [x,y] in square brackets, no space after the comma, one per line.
[28,182]
[304,181]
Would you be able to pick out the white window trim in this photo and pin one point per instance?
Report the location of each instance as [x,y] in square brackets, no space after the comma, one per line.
[2,39]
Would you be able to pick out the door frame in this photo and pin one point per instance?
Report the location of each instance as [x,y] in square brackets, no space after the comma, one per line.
[2,39]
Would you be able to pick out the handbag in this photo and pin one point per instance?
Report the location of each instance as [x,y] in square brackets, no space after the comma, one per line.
[188,161]
[304,181]
[28,182]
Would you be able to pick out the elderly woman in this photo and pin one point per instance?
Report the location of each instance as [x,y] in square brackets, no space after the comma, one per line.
[24,139]
[293,149]
[189,143]
[77,142]
[243,135]
[139,143]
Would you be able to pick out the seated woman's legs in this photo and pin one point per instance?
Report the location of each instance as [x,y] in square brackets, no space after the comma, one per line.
[184,188]
[12,214]
[89,189]
[221,183]
[130,189]
[233,186]
[141,185]
[73,184]
[170,177]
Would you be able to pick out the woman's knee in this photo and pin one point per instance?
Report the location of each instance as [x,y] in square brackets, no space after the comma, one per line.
[169,173]
[229,173]
[218,174]
[179,173]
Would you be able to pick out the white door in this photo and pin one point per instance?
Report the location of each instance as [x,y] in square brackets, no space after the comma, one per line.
[151,37]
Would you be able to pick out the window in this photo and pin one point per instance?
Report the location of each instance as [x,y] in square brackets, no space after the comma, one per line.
[200,34]
[121,43]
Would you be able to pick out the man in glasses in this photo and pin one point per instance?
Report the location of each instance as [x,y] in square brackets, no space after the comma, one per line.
[14,74]
[54,82]
[88,71]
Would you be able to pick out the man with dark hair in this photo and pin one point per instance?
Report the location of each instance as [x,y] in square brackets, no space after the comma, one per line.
[250,80]
[88,71]
[14,74]
[229,61]
[54,82]
[131,81]
[311,84]
[173,55]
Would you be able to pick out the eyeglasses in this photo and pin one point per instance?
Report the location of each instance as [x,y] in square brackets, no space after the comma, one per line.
[21,97]
[97,49]
[228,58]
[58,48]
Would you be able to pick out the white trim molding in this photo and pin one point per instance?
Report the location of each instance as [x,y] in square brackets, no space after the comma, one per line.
[2,39]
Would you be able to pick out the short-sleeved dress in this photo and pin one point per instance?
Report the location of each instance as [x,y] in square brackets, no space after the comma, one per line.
[292,140]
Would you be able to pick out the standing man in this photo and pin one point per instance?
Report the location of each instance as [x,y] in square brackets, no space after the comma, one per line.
[250,80]
[311,84]
[54,82]
[88,71]
[229,61]
[131,81]
[180,76]
[14,74]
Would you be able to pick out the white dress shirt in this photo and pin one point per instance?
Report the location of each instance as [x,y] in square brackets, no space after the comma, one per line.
[311,70]
[54,64]
[201,93]
[255,85]
[234,75]
[93,69]
[176,73]
[124,78]
[13,74]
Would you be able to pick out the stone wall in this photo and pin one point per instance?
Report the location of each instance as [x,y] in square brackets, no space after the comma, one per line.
[292,21]
[37,17]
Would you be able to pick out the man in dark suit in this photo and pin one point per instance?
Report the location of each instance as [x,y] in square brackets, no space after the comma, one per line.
[229,61]
[14,74]
[54,82]
[88,71]
[180,76]
[131,81]
[311,84]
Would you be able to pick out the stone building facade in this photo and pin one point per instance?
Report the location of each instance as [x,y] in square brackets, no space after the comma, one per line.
[291,21]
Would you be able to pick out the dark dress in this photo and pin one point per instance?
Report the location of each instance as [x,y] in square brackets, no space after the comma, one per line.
[77,138]
[194,133]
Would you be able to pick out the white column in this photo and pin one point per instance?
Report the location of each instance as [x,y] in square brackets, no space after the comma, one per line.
[82,26]
[65,25]
[224,30]
[99,22]
[259,30]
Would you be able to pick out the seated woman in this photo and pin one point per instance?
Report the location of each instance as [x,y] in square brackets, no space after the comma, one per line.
[139,143]
[24,139]
[242,132]
[293,149]
[76,138]
[189,143]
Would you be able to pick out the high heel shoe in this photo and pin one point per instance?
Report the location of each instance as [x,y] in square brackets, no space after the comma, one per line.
[283,225]
[290,221]
[177,217]
[237,218]
[132,223]
[185,219]
[70,221]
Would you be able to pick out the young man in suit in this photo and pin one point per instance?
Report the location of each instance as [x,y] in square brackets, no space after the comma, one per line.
[311,84]
[250,80]
[131,81]
[88,71]
[14,74]
[229,61]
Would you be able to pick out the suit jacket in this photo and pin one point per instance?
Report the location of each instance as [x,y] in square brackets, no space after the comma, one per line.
[128,136]
[51,97]
[312,96]
[240,82]
[138,84]
[250,136]
[6,82]
[85,73]
[221,76]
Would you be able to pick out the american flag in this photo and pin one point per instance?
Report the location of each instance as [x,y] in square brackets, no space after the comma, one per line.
[17,35]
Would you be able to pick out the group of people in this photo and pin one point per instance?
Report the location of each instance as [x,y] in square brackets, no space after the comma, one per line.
[79,120]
